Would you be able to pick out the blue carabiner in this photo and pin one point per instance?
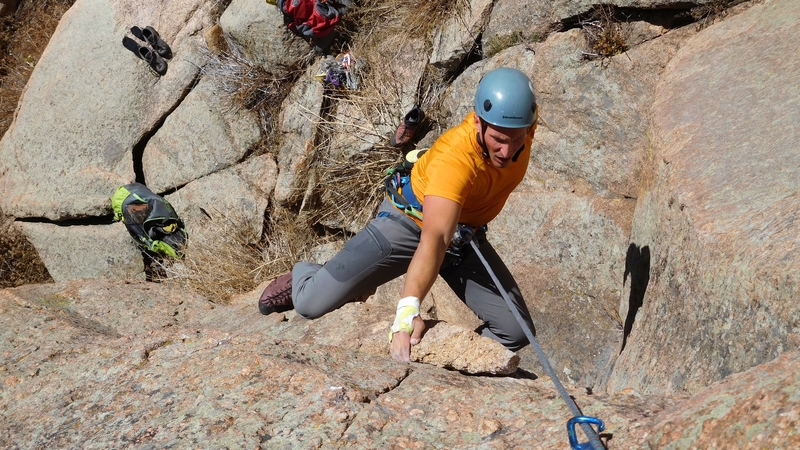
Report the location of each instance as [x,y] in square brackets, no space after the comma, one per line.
[573,439]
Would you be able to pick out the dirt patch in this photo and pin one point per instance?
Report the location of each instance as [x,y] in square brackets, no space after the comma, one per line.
[19,261]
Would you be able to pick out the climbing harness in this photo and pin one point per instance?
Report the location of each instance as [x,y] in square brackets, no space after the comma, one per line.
[398,186]
[398,189]
[585,422]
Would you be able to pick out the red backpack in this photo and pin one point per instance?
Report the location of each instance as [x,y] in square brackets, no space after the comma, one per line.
[310,18]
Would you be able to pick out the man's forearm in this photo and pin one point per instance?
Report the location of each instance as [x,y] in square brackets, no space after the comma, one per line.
[424,268]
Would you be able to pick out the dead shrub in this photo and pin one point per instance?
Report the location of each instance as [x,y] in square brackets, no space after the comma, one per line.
[371,19]
[246,85]
[604,33]
[226,257]
[707,14]
[351,188]
[345,187]
[19,261]
[288,237]
[219,262]
[23,37]
[421,17]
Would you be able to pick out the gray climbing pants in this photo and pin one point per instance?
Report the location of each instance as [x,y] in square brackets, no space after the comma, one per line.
[382,252]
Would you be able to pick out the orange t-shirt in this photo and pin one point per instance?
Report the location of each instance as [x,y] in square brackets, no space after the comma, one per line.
[454,168]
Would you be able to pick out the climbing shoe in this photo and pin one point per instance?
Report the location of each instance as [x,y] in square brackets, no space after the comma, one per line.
[277,297]
[405,132]
[150,35]
[155,61]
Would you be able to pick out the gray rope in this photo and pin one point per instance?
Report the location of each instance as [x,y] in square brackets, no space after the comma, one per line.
[587,428]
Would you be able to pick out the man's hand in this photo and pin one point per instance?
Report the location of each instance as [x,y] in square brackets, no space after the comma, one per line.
[402,341]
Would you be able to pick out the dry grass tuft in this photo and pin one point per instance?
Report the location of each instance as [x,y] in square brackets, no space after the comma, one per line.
[351,188]
[227,258]
[372,19]
[288,238]
[345,186]
[23,37]
[707,14]
[248,86]
[604,33]
[421,17]
[19,261]
[219,262]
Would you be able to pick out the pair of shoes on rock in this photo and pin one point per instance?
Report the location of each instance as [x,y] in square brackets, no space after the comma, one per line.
[277,297]
[155,54]
[405,132]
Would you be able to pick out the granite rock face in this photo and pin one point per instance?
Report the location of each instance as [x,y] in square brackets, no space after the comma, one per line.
[654,237]
[86,107]
[753,409]
[718,218]
[202,136]
[154,367]
[151,365]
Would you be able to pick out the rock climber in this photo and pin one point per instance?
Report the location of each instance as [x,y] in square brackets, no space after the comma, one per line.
[424,225]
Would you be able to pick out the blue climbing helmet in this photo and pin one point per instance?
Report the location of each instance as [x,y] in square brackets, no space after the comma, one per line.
[505,98]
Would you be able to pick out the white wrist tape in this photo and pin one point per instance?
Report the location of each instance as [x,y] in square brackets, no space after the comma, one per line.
[407,309]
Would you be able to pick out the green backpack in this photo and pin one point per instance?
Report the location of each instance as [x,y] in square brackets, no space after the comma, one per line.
[150,220]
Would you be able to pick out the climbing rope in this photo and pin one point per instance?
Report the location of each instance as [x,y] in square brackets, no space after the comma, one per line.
[578,417]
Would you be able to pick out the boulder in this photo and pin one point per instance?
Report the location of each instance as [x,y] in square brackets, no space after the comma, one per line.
[256,29]
[459,35]
[204,134]
[85,251]
[297,127]
[87,106]
[717,217]
[239,207]
[513,22]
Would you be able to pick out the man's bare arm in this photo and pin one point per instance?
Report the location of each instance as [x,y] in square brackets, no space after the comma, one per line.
[441,217]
